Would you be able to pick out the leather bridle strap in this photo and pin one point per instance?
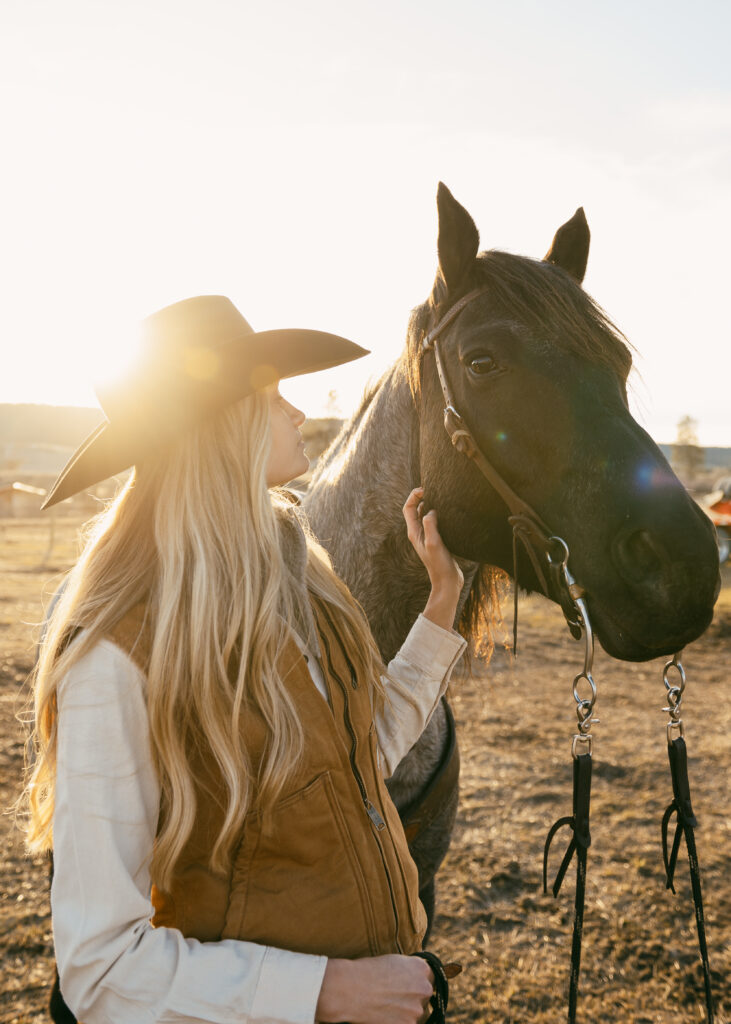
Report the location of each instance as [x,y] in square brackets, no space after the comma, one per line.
[456,427]
[528,527]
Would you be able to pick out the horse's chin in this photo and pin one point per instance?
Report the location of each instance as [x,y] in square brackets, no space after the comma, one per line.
[624,643]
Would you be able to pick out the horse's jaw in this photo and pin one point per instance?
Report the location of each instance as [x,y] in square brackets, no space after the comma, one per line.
[622,640]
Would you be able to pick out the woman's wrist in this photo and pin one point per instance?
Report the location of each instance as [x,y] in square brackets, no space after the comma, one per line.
[375,989]
[441,607]
[332,1004]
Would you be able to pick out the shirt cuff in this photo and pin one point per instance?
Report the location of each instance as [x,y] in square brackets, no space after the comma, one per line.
[289,987]
[431,649]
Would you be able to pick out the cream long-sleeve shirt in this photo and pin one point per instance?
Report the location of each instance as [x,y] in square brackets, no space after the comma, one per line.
[115,968]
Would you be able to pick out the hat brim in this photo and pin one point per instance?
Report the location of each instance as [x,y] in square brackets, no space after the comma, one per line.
[264,358]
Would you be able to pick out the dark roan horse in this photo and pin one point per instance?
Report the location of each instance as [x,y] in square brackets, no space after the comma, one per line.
[539,374]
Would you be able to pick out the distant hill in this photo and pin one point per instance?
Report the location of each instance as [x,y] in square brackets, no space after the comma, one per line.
[63,425]
[715,457]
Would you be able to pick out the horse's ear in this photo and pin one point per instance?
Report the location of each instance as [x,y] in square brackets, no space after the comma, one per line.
[459,239]
[570,246]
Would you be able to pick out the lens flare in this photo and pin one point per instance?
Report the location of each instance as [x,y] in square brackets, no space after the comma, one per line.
[650,477]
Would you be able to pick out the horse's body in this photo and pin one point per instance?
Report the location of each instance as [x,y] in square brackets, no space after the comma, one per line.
[539,374]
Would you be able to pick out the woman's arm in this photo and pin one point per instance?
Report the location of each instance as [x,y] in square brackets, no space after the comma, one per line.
[419,673]
[415,681]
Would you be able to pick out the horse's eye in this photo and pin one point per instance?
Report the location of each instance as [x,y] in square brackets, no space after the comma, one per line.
[482,365]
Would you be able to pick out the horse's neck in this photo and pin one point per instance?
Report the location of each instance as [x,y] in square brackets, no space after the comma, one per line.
[354,505]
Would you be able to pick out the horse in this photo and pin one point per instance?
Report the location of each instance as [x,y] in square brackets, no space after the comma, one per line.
[538,373]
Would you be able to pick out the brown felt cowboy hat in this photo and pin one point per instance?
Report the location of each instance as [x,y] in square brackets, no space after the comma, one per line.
[196,357]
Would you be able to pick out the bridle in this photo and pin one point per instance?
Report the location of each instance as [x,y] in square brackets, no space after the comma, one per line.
[542,546]
[549,556]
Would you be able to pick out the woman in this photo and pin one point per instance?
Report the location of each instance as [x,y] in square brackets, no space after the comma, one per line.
[213,722]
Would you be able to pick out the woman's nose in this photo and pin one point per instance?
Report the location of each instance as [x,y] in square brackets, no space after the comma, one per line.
[296,415]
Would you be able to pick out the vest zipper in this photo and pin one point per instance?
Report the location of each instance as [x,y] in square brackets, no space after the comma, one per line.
[341,645]
[376,820]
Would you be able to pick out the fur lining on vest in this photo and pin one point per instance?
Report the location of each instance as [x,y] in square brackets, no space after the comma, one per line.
[293,544]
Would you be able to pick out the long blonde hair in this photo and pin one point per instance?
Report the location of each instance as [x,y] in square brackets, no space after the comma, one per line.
[194,535]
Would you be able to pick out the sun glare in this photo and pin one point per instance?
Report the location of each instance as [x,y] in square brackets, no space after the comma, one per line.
[114,359]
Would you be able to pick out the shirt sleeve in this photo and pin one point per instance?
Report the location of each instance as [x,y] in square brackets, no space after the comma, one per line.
[415,682]
[114,967]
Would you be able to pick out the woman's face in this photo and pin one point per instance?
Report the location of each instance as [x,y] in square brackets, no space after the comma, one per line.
[287,458]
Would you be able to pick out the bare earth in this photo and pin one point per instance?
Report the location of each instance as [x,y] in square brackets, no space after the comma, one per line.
[640,962]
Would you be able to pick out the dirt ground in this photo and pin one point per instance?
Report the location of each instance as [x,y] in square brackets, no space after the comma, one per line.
[640,962]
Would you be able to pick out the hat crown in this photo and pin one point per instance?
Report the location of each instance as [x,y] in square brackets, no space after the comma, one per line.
[177,350]
[202,321]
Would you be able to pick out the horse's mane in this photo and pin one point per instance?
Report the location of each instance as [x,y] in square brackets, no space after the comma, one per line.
[554,307]
[481,619]
[550,303]
[349,428]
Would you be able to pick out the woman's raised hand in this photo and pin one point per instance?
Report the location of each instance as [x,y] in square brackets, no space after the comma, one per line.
[445,575]
[391,988]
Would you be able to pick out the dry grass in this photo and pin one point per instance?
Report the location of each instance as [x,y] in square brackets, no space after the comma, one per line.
[640,962]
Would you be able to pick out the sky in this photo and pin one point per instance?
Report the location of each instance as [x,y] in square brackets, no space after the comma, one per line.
[287,154]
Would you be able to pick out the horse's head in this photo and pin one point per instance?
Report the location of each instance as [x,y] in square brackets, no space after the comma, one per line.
[539,374]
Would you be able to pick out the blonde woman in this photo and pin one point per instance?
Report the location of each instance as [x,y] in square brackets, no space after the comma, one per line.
[213,723]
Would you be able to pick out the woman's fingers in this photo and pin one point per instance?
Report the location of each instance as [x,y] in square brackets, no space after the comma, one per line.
[412,514]
[421,528]
[431,529]
[413,503]
[414,496]
[423,532]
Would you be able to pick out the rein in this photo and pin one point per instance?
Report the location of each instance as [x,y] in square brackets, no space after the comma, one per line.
[549,556]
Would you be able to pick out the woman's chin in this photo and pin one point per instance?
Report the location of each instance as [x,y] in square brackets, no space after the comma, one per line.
[304,465]
[298,468]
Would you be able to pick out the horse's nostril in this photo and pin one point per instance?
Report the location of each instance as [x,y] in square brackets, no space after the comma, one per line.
[638,556]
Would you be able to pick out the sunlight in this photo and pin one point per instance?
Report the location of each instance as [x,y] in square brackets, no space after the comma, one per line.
[317,210]
[121,351]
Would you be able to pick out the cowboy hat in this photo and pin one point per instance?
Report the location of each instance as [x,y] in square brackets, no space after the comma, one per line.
[196,357]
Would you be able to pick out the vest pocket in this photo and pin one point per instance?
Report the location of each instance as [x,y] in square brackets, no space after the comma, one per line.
[297,879]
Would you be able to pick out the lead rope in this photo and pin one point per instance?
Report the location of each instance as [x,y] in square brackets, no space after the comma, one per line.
[442,973]
[686,820]
[578,820]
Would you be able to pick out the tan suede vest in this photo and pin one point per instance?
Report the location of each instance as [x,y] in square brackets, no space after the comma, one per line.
[330,873]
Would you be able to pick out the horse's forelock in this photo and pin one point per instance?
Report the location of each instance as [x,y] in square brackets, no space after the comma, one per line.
[543,296]
[552,303]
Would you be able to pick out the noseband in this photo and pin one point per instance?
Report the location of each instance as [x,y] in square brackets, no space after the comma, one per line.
[549,556]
